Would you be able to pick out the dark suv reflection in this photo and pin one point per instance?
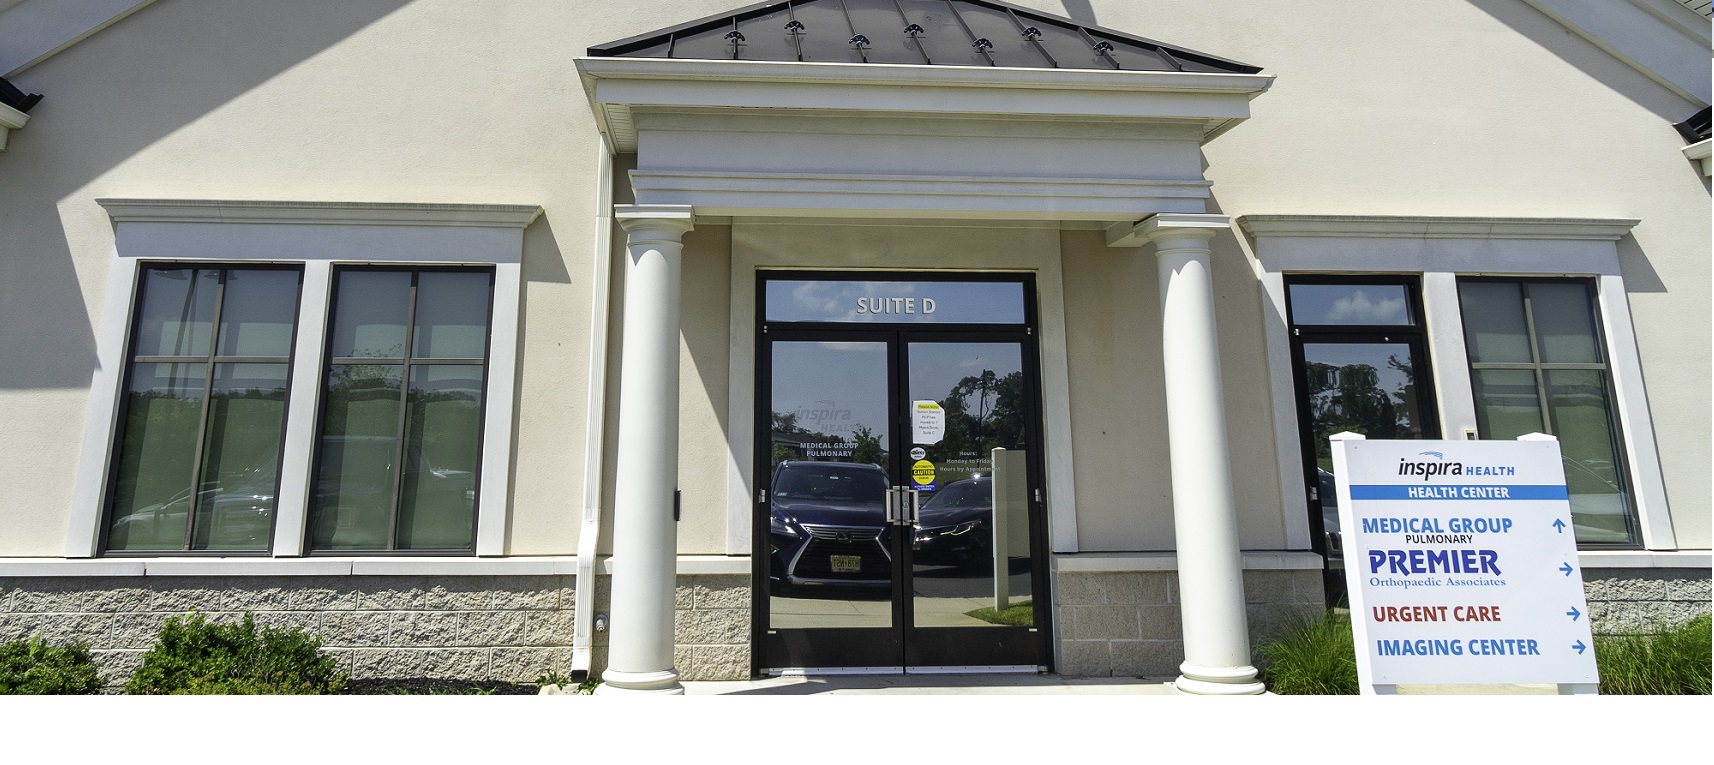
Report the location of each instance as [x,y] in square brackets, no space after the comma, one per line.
[954,525]
[828,524]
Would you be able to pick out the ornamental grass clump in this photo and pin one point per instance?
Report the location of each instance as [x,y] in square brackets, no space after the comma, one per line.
[32,666]
[1312,656]
[195,656]
[1675,661]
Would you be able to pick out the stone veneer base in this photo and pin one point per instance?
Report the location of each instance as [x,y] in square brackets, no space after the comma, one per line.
[515,628]
[510,628]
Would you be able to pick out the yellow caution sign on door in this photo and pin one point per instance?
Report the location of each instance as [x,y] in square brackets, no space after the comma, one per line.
[922,472]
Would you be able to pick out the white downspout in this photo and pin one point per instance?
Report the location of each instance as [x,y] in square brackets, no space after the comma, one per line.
[583,612]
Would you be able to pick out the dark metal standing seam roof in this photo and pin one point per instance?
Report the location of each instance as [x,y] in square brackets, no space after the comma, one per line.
[11,96]
[934,32]
[1695,129]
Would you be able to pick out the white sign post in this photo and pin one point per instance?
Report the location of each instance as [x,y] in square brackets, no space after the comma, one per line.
[1461,563]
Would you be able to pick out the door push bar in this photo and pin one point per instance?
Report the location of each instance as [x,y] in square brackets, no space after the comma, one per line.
[904,506]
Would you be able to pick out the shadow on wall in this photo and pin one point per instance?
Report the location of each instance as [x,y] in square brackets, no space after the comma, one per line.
[1079,10]
[173,64]
[1588,59]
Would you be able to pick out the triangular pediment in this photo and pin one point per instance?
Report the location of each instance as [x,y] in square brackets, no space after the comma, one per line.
[977,33]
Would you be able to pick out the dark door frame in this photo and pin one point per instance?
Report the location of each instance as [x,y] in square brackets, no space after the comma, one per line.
[972,646]
[1414,334]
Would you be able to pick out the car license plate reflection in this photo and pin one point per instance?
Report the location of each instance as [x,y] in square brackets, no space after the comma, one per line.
[846,564]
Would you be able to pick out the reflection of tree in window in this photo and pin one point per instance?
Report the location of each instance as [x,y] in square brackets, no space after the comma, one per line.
[792,441]
[1350,398]
[998,419]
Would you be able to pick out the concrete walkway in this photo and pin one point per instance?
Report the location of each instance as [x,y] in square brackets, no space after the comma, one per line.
[1015,684]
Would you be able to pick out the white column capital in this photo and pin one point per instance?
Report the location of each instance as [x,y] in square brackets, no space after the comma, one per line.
[663,221]
[1164,227]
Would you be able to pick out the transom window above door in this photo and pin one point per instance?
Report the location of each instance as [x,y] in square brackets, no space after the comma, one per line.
[895,301]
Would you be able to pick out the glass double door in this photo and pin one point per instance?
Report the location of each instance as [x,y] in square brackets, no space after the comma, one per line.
[898,528]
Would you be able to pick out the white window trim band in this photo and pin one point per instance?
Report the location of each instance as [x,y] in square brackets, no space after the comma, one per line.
[316,236]
[1439,249]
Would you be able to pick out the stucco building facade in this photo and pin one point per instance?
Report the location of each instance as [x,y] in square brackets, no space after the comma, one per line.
[591,337]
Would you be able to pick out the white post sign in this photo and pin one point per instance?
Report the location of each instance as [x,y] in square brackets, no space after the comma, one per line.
[1461,563]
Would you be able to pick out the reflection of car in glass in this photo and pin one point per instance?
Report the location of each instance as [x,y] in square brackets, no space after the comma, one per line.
[355,485]
[828,524]
[954,525]
[237,512]
[1329,494]
[1334,575]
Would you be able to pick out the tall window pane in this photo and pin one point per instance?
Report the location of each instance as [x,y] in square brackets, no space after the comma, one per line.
[1537,366]
[197,466]
[1583,420]
[241,456]
[157,457]
[401,432]
[359,449]
[441,455]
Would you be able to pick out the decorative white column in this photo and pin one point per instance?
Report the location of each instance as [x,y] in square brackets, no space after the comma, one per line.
[645,537]
[1210,566]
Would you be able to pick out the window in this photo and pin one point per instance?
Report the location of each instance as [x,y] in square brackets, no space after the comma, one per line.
[203,411]
[283,378]
[1537,365]
[399,449]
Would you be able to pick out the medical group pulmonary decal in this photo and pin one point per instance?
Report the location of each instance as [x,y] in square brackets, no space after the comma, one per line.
[1461,563]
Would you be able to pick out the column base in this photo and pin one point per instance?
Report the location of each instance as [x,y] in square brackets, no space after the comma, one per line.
[663,683]
[1217,681]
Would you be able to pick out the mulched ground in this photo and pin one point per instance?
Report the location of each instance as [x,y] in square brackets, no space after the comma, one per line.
[421,687]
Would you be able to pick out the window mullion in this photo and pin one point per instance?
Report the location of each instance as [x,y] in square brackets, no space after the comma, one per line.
[399,450]
[1535,361]
[207,402]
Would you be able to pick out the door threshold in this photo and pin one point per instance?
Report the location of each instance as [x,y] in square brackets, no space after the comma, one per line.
[812,671]
[1007,669]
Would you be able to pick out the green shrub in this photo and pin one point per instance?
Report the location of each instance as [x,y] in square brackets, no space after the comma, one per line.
[1674,662]
[195,656]
[1312,656]
[32,666]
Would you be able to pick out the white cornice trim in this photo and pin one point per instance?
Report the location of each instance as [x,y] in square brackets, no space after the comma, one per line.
[1428,227]
[1699,153]
[10,120]
[614,86]
[320,213]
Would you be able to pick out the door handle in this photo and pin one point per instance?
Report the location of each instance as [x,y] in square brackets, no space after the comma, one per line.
[916,507]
